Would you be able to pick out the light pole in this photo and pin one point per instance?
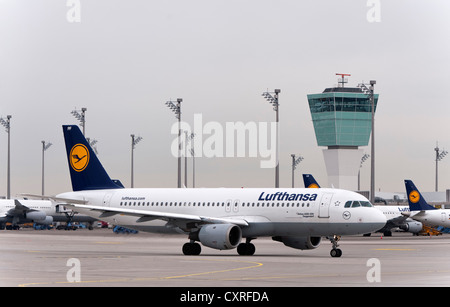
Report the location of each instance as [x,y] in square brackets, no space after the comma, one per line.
[193,159]
[7,124]
[81,117]
[295,162]
[363,159]
[370,92]
[176,108]
[45,146]
[272,97]
[134,142]
[439,156]
[187,139]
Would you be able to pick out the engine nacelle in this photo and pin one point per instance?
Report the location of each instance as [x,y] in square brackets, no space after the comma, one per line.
[413,227]
[35,215]
[299,242]
[47,221]
[220,236]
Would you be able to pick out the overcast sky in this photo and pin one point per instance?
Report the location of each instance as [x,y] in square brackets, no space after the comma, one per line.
[125,58]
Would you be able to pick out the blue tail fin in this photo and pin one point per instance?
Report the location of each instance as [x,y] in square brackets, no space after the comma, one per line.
[310,182]
[86,171]
[415,199]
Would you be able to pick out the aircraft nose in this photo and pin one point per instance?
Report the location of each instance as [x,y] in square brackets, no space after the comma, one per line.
[378,218]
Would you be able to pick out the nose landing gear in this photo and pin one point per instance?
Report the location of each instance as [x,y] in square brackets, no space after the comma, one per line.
[335,252]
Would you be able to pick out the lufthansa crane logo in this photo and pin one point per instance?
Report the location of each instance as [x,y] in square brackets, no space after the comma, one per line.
[313,186]
[79,157]
[414,196]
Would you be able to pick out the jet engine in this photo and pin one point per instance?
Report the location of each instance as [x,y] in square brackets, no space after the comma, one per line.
[39,217]
[413,227]
[220,236]
[299,242]
[35,215]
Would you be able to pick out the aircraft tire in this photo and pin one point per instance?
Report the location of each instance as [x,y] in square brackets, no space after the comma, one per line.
[336,252]
[246,249]
[192,249]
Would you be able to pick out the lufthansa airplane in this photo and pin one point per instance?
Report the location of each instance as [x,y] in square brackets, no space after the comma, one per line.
[218,218]
[16,212]
[394,214]
[421,211]
[43,212]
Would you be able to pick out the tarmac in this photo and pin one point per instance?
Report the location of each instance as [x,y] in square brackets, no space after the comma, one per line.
[83,258]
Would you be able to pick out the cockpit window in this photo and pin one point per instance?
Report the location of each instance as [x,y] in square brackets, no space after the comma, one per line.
[366,204]
[357,203]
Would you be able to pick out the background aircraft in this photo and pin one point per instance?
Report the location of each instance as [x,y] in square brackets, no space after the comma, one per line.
[394,214]
[421,211]
[43,212]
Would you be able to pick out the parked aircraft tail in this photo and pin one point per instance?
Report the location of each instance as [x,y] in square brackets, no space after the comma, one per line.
[415,199]
[86,171]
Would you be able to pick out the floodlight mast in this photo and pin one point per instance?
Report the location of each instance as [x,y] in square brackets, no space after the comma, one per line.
[439,156]
[363,159]
[81,117]
[188,138]
[295,162]
[370,92]
[176,108]
[193,158]
[272,98]
[45,146]
[134,142]
[7,124]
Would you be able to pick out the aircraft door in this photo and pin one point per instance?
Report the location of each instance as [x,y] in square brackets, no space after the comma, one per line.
[107,199]
[324,208]
[443,217]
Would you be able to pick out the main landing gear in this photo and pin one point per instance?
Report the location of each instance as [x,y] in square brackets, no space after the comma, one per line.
[192,248]
[247,248]
[335,252]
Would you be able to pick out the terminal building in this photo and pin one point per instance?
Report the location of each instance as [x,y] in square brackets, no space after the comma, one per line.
[342,119]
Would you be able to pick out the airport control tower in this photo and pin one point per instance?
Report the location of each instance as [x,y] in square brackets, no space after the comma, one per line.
[342,118]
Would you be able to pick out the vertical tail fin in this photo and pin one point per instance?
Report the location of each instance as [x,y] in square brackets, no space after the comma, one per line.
[415,199]
[310,182]
[86,171]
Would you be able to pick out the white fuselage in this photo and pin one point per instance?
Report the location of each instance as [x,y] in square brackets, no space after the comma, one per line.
[391,212]
[7,206]
[433,218]
[268,212]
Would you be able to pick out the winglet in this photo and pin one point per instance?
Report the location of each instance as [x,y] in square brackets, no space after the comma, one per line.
[415,199]
[86,171]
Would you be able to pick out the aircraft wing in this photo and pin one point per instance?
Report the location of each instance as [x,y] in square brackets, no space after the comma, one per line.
[399,220]
[56,199]
[414,214]
[145,216]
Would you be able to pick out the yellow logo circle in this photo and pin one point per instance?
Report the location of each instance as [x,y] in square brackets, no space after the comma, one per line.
[414,196]
[313,186]
[79,157]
